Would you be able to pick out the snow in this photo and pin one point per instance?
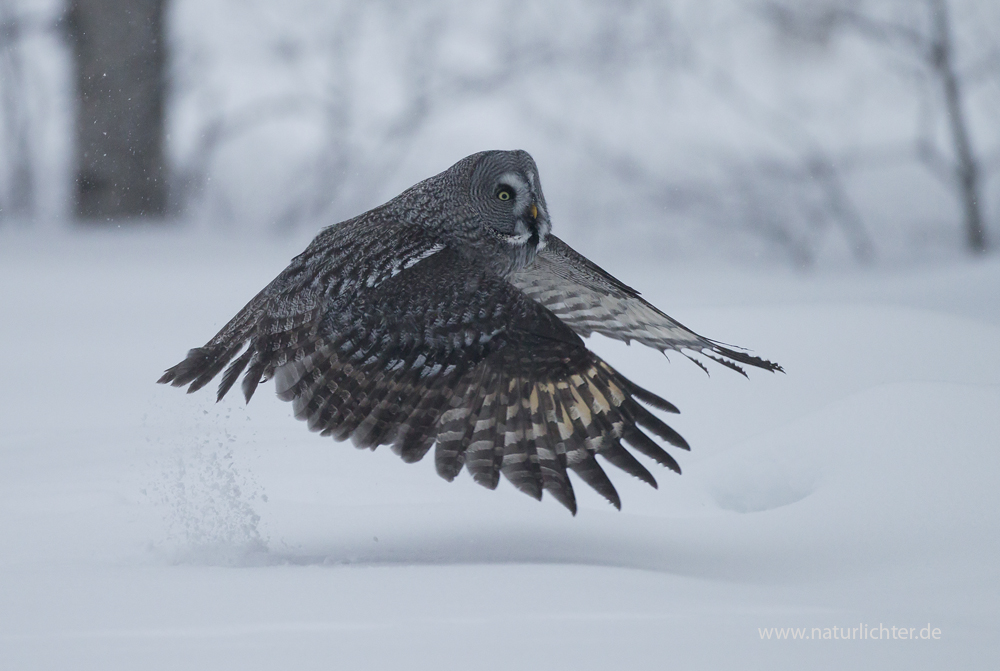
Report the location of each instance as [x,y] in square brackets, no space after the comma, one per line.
[142,528]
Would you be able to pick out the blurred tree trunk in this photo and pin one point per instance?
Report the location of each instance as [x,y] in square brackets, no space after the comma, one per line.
[967,168]
[119,56]
[17,196]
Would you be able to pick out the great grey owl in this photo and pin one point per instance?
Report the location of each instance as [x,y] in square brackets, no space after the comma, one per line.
[452,316]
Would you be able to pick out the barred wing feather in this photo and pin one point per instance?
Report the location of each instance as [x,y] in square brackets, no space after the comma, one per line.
[589,300]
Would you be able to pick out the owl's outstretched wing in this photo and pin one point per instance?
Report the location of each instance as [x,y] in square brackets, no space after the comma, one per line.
[588,299]
[444,352]
[282,322]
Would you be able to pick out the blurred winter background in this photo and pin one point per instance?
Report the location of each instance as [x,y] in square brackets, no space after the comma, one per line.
[816,180]
[824,131]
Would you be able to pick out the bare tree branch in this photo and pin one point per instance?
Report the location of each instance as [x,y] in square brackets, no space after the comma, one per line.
[189,179]
[935,51]
[967,168]
[814,161]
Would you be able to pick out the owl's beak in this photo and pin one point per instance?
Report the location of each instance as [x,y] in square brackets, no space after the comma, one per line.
[534,211]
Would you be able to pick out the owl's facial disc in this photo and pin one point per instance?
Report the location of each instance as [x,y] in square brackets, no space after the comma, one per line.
[530,223]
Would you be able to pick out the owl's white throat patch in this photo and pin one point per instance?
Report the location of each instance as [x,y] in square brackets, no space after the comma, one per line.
[521,236]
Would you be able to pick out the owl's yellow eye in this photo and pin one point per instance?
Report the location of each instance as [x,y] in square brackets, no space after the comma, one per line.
[504,194]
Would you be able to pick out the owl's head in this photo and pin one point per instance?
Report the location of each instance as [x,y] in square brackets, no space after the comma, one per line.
[507,195]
